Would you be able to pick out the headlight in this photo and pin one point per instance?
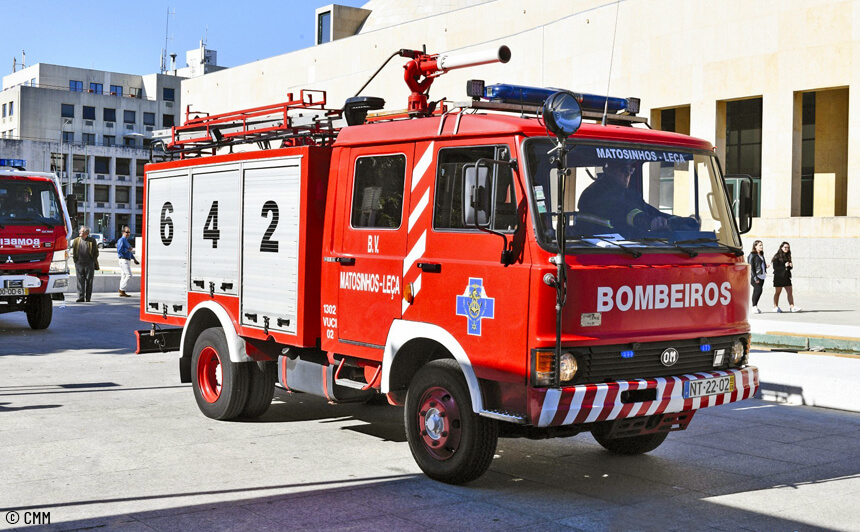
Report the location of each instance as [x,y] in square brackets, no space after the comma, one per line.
[738,351]
[59,262]
[567,367]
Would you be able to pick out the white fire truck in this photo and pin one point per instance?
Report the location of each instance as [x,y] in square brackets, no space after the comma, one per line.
[496,265]
[34,231]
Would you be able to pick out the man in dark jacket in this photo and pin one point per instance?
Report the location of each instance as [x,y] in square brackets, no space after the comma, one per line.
[85,252]
[610,199]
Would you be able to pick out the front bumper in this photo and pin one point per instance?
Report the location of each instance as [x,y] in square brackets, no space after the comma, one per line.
[55,283]
[589,403]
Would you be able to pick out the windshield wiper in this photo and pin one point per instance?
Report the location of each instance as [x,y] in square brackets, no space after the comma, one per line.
[737,251]
[689,252]
[633,252]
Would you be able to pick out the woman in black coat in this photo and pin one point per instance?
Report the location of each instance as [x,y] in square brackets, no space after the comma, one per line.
[758,272]
[782,265]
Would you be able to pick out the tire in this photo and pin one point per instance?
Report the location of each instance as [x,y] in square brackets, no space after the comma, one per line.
[221,399]
[449,442]
[261,388]
[40,310]
[633,445]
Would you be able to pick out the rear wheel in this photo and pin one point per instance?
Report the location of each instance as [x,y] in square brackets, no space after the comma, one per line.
[448,441]
[633,445]
[220,386]
[39,311]
[262,377]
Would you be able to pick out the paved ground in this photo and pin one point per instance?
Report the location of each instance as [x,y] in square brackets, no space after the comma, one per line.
[104,439]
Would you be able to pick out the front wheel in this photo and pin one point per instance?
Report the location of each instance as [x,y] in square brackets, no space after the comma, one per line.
[40,310]
[448,441]
[220,386]
[632,445]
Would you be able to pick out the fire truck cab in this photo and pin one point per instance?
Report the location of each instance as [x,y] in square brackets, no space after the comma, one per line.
[496,266]
[34,231]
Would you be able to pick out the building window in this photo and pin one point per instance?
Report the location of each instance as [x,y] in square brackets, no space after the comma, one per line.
[122,194]
[89,113]
[129,117]
[101,165]
[129,141]
[110,140]
[11,108]
[4,110]
[138,195]
[168,94]
[89,138]
[324,27]
[116,90]
[109,115]
[68,137]
[67,110]
[97,88]
[167,121]
[76,86]
[134,92]
[377,194]
[102,193]
[149,119]
[743,143]
[123,166]
[667,120]
[807,155]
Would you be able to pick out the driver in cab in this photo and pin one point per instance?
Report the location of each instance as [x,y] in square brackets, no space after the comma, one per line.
[622,209]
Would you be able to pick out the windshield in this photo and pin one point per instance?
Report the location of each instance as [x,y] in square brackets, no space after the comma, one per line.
[623,196]
[28,203]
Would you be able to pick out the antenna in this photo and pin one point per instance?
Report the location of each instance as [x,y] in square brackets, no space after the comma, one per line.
[170,11]
[611,56]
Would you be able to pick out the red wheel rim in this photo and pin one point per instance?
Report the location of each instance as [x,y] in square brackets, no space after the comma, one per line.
[209,374]
[439,423]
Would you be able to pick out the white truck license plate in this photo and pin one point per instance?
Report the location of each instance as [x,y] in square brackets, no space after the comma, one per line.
[704,387]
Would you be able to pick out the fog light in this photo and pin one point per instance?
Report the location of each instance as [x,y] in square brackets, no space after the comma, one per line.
[568,367]
[737,351]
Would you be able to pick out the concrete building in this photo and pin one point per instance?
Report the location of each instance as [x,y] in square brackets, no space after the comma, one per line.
[769,83]
[93,128]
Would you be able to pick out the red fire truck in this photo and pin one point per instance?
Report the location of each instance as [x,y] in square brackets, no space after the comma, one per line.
[496,265]
[34,228]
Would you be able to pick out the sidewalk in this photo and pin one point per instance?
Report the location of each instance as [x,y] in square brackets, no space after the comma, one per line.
[824,324]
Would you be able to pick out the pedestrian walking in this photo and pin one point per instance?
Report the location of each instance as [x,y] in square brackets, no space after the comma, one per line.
[85,253]
[782,266]
[125,252]
[758,272]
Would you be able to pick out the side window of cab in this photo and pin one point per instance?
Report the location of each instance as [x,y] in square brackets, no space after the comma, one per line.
[377,194]
[448,209]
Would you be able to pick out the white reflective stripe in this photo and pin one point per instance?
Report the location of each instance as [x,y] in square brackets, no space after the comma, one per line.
[415,253]
[575,405]
[597,406]
[416,287]
[422,165]
[661,388]
[623,386]
[550,407]
[419,209]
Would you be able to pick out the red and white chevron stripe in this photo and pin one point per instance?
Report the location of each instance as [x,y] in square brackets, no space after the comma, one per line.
[419,220]
[602,402]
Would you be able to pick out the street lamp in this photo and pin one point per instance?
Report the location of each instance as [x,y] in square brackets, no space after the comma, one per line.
[67,120]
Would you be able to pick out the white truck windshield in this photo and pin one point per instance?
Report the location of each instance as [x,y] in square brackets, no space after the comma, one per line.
[645,197]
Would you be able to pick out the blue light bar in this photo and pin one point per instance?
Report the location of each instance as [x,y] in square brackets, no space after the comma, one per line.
[627,354]
[507,93]
[705,348]
[15,163]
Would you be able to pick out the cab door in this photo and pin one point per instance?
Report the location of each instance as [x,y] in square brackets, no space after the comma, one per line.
[373,243]
[459,280]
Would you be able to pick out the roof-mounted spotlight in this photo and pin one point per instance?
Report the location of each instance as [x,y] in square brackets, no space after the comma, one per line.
[562,114]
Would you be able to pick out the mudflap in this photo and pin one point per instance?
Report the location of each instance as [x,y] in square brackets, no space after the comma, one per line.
[637,426]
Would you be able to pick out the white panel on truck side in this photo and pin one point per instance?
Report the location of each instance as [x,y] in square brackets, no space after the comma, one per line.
[215,229]
[270,244]
[167,242]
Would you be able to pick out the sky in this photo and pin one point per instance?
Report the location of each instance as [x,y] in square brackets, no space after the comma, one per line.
[128,36]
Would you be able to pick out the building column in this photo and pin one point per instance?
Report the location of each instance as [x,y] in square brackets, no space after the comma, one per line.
[132,196]
[776,147]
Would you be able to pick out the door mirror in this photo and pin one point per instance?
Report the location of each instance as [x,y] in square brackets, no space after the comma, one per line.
[72,205]
[745,205]
[476,195]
